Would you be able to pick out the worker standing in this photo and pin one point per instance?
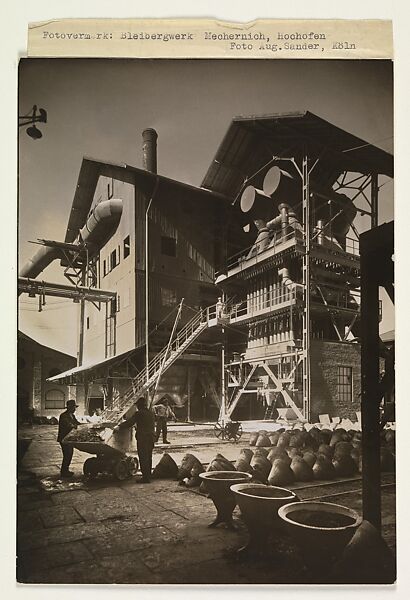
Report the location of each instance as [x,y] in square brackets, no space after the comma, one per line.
[163,413]
[144,423]
[66,423]
[220,308]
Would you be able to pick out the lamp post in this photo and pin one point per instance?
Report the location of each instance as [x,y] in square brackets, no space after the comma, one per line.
[30,119]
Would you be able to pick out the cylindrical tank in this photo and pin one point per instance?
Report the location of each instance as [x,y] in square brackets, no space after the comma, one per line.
[149,150]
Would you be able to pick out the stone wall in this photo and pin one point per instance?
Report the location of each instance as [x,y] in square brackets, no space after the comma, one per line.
[326,357]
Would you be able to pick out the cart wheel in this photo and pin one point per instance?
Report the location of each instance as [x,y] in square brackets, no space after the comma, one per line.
[120,469]
[132,465]
[219,431]
[237,436]
[90,467]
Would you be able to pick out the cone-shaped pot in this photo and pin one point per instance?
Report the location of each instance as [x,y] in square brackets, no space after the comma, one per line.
[321,530]
[218,486]
[259,506]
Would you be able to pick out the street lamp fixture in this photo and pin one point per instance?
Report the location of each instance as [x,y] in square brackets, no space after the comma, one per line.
[36,115]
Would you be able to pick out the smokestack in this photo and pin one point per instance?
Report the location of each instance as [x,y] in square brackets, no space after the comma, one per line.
[149,150]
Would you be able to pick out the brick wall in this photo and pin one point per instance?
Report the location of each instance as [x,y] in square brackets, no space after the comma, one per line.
[326,357]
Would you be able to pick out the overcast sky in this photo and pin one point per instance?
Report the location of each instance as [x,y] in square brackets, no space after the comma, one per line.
[99,108]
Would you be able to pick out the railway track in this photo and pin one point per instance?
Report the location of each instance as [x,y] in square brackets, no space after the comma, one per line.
[334,489]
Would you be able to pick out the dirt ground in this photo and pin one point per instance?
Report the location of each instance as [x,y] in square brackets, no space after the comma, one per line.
[106,531]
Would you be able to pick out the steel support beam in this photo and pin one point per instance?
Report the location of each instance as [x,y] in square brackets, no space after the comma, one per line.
[306,290]
[376,248]
[61,290]
[374,200]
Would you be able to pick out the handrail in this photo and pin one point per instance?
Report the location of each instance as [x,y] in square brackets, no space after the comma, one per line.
[142,382]
[243,255]
[352,247]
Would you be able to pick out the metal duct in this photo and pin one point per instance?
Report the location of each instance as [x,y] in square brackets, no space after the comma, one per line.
[263,238]
[287,281]
[102,222]
[327,203]
[255,203]
[149,150]
[321,232]
[259,206]
[99,227]
[42,258]
[281,183]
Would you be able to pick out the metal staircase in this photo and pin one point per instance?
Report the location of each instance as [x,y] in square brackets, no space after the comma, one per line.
[161,362]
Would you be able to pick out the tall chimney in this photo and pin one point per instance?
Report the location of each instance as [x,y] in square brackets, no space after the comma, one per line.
[149,150]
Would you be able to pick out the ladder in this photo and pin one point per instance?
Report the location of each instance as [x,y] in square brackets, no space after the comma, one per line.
[160,363]
[269,412]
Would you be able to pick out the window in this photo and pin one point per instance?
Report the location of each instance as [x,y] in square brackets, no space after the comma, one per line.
[345,384]
[88,322]
[55,399]
[168,297]
[104,268]
[113,260]
[127,246]
[114,306]
[110,189]
[168,246]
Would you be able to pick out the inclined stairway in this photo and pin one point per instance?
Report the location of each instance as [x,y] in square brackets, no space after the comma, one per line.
[162,361]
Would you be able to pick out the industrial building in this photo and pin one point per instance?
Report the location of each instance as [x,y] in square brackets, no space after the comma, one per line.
[35,364]
[256,274]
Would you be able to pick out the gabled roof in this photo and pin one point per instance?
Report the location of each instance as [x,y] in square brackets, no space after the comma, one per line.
[251,142]
[92,169]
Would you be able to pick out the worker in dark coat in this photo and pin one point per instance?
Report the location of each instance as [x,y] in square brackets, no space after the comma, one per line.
[144,422]
[66,423]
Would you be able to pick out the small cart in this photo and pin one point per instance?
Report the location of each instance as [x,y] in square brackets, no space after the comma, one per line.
[231,430]
[114,451]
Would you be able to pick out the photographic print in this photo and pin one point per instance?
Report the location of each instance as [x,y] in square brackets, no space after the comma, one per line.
[206,322]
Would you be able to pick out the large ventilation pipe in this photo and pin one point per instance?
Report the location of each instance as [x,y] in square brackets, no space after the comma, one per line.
[99,227]
[281,184]
[287,281]
[328,204]
[255,203]
[102,222]
[258,206]
[149,150]
[41,259]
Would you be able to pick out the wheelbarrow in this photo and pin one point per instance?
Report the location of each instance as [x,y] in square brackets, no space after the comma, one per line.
[111,448]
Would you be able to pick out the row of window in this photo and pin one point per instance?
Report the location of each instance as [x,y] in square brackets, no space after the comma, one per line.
[115,256]
[168,248]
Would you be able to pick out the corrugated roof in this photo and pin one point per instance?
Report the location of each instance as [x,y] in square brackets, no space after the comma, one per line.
[92,366]
[252,141]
